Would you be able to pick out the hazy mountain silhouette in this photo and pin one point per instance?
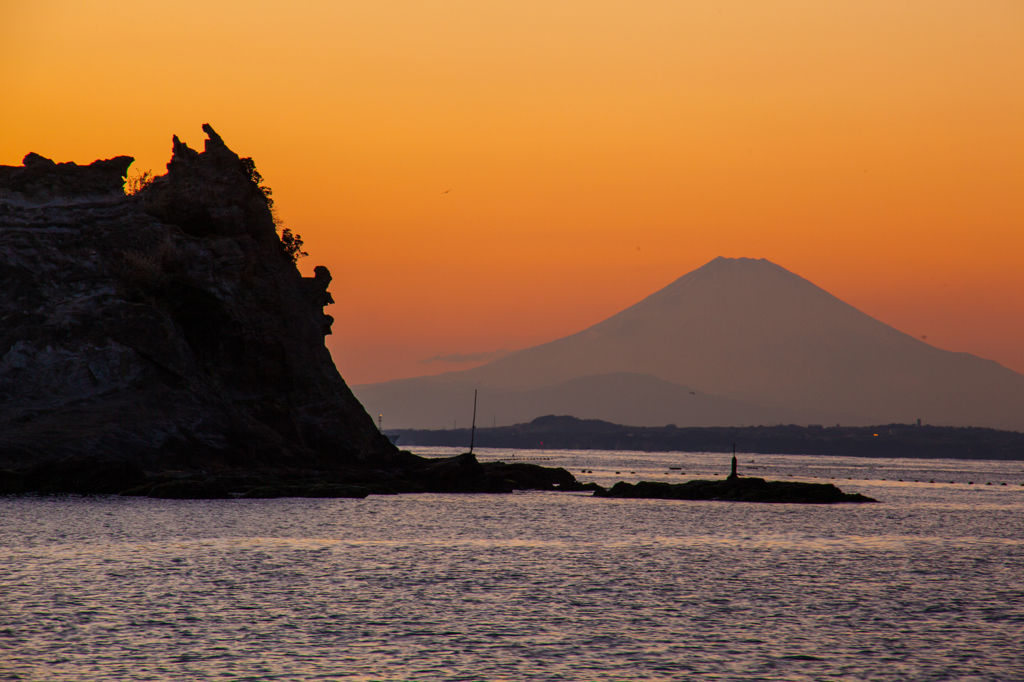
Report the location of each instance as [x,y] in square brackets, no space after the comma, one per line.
[621,397]
[762,344]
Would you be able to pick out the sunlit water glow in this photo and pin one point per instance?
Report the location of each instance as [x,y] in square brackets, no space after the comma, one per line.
[928,584]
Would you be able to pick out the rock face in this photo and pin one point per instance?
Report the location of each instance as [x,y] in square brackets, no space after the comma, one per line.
[168,328]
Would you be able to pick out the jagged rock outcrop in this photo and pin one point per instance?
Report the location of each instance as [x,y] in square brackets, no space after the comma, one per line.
[168,328]
[40,181]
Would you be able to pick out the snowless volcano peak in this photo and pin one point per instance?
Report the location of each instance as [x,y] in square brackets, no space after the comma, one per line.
[749,330]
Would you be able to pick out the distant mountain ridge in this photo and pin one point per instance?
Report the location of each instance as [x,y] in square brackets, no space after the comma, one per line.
[753,341]
[553,432]
[619,397]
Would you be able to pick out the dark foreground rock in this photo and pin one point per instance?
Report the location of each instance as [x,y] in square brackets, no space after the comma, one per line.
[165,345]
[170,329]
[741,489]
[402,473]
[81,475]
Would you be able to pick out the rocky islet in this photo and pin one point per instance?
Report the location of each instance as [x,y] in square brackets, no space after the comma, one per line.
[736,489]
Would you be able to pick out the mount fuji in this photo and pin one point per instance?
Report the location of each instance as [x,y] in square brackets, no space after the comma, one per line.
[735,342]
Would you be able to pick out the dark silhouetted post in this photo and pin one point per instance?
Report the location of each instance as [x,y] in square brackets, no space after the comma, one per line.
[734,474]
[472,431]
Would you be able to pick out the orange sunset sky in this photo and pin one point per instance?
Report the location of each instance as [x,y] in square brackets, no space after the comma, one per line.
[594,151]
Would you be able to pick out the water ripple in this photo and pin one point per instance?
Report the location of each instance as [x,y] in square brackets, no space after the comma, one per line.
[533,586]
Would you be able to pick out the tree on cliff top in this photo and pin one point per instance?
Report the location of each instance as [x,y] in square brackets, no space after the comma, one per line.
[291,244]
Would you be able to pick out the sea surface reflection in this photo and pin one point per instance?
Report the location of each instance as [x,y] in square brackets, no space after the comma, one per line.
[928,584]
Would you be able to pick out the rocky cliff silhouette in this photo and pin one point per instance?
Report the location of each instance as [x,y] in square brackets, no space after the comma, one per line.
[168,328]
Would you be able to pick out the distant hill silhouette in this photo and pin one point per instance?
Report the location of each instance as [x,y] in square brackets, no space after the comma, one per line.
[620,397]
[554,432]
[755,343]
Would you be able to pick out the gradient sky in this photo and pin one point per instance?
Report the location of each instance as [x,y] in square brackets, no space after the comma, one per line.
[594,151]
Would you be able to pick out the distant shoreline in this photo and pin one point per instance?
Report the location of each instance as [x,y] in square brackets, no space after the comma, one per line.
[892,440]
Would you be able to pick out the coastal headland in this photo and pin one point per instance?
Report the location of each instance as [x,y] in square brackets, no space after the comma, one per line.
[162,343]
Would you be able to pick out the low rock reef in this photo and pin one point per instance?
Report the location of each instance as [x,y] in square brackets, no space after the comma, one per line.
[403,473]
[735,489]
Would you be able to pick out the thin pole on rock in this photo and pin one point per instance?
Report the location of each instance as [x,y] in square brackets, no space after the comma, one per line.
[472,431]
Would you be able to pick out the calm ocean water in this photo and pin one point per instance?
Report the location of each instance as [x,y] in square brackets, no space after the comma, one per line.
[926,585]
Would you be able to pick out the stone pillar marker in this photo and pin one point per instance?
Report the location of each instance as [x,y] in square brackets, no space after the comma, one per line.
[733,476]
